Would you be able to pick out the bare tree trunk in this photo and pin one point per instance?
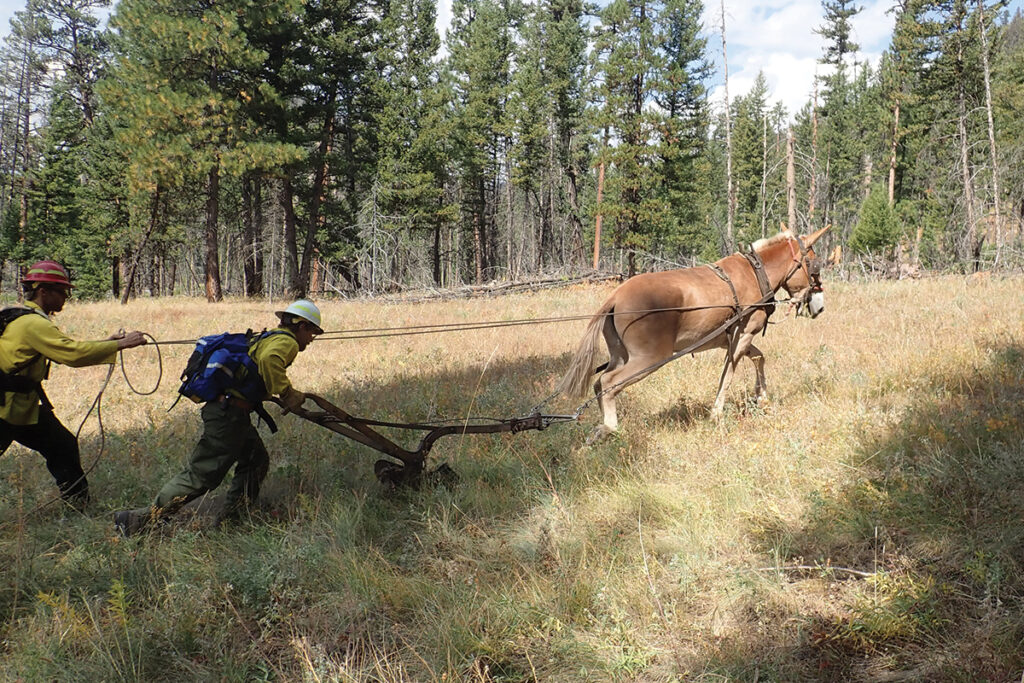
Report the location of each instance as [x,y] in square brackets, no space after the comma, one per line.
[764,172]
[790,182]
[478,234]
[600,192]
[730,190]
[212,266]
[250,250]
[991,133]
[172,276]
[814,158]
[972,243]
[137,256]
[115,276]
[576,225]
[316,286]
[291,256]
[315,219]
[435,257]
[893,148]
[509,223]
[26,164]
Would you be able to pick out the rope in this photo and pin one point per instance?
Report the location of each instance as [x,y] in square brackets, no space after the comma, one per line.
[373,332]
[440,328]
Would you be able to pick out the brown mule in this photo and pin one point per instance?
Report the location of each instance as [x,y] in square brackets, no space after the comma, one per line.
[654,315]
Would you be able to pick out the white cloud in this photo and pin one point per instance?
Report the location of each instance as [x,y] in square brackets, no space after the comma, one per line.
[778,38]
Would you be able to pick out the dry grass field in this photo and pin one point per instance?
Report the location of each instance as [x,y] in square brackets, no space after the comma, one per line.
[867,524]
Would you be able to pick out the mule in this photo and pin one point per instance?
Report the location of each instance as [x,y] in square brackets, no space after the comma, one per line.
[653,317]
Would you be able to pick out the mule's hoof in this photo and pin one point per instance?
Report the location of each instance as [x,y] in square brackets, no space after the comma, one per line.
[599,435]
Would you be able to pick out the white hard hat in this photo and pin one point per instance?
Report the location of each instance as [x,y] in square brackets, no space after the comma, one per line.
[305,309]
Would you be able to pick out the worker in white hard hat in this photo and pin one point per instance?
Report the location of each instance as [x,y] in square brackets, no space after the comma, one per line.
[229,437]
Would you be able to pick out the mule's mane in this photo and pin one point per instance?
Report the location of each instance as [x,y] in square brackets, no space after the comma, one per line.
[768,241]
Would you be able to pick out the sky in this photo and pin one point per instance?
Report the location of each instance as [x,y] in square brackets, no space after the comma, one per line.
[772,36]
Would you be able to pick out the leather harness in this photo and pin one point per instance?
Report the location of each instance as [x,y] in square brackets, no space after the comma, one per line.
[762,282]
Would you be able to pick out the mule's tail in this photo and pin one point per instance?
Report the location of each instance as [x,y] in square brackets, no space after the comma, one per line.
[576,381]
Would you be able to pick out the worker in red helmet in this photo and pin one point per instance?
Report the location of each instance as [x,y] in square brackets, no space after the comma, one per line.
[29,342]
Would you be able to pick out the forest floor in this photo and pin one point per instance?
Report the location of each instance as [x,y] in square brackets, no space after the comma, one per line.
[863,525]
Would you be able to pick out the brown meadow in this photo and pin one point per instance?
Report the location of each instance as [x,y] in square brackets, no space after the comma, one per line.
[863,525]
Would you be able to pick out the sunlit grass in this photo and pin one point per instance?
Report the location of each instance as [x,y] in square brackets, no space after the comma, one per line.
[864,523]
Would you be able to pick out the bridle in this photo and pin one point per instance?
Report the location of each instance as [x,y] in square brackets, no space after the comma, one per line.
[810,266]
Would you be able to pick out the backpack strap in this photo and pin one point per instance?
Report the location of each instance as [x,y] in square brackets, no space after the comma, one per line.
[260,411]
[13,381]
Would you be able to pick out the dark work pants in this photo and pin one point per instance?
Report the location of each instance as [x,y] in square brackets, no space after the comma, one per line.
[229,438]
[57,445]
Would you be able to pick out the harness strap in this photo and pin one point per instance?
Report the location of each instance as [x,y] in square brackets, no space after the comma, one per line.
[767,293]
[758,265]
[717,270]
[800,243]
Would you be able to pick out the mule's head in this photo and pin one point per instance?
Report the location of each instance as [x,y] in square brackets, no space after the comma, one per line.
[804,281]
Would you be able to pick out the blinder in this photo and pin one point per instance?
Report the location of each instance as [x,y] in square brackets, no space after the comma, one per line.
[812,268]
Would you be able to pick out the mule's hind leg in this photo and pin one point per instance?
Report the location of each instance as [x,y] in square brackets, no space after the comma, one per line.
[618,356]
[610,384]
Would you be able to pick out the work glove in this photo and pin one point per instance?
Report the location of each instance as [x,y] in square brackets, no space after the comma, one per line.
[291,400]
[128,340]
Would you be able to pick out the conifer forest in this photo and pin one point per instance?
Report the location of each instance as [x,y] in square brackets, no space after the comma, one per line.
[252,148]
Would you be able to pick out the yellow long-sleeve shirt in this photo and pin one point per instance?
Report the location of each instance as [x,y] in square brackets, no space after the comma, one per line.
[273,354]
[36,335]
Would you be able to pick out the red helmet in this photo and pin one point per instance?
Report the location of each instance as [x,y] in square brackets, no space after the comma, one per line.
[48,272]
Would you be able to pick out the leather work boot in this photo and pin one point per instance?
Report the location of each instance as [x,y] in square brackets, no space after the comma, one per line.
[131,522]
[78,501]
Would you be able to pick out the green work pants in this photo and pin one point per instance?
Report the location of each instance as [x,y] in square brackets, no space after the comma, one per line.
[229,438]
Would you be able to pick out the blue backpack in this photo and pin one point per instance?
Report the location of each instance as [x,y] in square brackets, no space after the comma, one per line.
[221,362]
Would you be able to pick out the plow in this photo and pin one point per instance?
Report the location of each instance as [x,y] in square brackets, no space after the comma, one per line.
[409,467]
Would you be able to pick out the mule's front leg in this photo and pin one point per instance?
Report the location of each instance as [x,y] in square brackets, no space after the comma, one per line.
[723,384]
[739,345]
[760,385]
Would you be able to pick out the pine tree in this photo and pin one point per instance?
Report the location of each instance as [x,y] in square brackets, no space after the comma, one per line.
[406,171]
[480,48]
[546,104]
[877,229]
[627,63]
[177,89]
[681,93]
[839,147]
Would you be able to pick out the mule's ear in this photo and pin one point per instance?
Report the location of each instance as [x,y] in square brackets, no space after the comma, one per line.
[836,257]
[813,237]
